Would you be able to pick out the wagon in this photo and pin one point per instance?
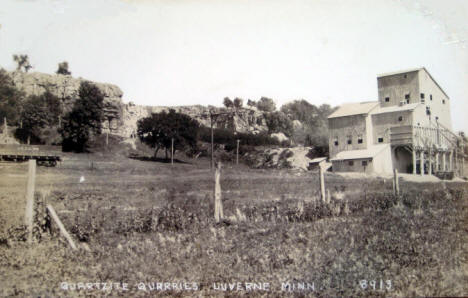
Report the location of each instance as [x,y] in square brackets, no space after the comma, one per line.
[43,154]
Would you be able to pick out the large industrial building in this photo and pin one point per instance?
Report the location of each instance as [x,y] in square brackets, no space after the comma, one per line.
[409,129]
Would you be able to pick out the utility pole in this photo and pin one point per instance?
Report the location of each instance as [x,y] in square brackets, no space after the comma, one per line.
[172,151]
[237,152]
[212,118]
[212,141]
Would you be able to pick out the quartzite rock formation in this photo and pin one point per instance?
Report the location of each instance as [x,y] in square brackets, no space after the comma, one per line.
[121,118]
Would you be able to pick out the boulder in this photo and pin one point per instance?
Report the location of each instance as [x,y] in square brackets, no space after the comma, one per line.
[280,158]
[281,137]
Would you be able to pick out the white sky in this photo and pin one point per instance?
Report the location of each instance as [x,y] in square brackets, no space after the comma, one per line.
[181,52]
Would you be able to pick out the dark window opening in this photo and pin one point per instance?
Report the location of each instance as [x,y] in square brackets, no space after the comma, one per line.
[359,140]
[400,118]
[428,111]
[387,99]
[351,163]
[422,95]
[407,96]
[443,101]
[336,143]
[405,76]
[430,96]
[364,163]
[380,140]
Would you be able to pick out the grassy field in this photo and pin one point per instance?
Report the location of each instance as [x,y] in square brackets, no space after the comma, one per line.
[150,227]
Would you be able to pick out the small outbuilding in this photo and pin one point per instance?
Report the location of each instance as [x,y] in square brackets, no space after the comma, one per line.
[375,159]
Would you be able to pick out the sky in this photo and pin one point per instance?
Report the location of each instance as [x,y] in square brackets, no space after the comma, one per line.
[185,52]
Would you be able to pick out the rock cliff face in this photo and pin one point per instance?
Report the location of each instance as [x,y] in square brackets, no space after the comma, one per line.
[240,120]
[66,88]
[121,118]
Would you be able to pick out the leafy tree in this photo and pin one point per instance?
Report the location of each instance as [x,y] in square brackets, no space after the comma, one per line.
[228,102]
[315,123]
[159,129]
[84,120]
[63,68]
[38,117]
[238,102]
[22,62]
[266,104]
[279,122]
[251,103]
[10,99]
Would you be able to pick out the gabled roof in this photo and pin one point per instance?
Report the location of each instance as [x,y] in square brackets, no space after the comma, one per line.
[317,160]
[391,109]
[358,108]
[370,152]
[412,70]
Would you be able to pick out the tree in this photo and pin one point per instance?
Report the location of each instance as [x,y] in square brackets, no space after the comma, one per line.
[238,102]
[22,62]
[251,103]
[63,68]
[84,120]
[10,99]
[159,129]
[266,104]
[314,131]
[228,102]
[38,117]
[279,122]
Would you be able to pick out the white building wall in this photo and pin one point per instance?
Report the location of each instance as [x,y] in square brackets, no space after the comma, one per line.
[383,161]
[438,108]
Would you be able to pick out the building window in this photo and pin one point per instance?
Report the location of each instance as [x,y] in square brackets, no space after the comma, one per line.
[428,111]
[422,95]
[405,76]
[400,118]
[350,140]
[407,96]
[350,163]
[364,163]
[359,139]
[430,97]
[443,101]
[387,99]
[380,140]
[336,141]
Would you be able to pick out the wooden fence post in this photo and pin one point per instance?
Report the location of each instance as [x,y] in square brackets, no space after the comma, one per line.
[322,184]
[29,215]
[217,194]
[396,185]
[63,231]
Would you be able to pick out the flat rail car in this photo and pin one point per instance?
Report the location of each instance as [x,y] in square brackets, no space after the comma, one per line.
[44,155]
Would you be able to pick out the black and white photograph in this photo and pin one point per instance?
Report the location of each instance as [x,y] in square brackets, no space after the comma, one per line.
[233,148]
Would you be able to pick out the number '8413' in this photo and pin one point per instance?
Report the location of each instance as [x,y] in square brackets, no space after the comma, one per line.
[376,285]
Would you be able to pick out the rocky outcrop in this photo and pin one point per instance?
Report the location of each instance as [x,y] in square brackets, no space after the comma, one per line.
[66,88]
[238,120]
[121,118]
[281,158]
